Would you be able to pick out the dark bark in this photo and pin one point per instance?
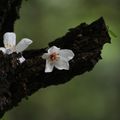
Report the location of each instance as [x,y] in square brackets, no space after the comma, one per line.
[9,12]
[18,81]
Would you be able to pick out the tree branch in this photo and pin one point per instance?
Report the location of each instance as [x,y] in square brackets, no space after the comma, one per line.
[9,12]
[18,81]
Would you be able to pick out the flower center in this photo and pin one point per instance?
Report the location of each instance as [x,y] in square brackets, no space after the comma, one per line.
[54,56]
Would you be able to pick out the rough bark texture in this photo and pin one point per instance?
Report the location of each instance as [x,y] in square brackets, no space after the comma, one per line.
[18,81]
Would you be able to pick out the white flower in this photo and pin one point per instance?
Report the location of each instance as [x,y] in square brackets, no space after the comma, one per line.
[58,58]
[9,40]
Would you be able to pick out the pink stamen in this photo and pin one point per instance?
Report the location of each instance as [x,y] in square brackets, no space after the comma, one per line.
[54,56]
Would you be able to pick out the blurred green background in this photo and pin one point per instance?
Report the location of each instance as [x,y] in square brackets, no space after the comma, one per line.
[91,96]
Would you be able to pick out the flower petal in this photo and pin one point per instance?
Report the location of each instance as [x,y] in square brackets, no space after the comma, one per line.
[66,54]
[22,59]
[23,44]
[45,56]
[9,51]
[53,49]
[9,39]
[49,66]
[3,50]
[62,64]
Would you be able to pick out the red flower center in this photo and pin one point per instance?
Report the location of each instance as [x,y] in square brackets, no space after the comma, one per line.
[54,56]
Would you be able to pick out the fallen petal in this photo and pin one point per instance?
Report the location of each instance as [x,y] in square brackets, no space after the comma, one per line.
[45,56]
[49,66]
[23,44]
[22,59]
[9,39]
[66,54]
[9,51]
[62,64]
[53,49]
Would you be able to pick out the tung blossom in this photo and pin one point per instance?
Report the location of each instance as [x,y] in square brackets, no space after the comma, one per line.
[9,40]
[58,58]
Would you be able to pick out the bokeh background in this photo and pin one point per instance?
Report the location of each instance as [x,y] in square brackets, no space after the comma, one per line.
[91,96]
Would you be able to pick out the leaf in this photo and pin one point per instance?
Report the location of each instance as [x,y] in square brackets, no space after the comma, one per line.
[111,32]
